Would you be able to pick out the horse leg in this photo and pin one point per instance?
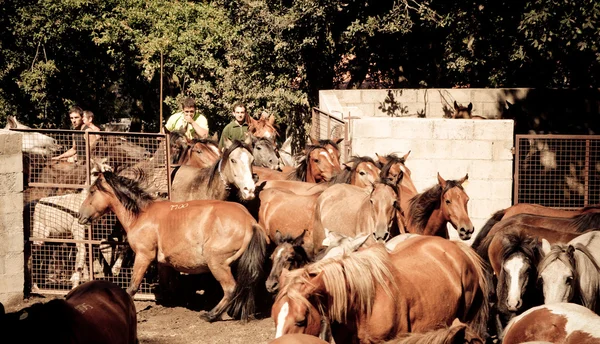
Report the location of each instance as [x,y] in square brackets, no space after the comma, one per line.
[223,275]
[80,272]
[167,281]
[140,265]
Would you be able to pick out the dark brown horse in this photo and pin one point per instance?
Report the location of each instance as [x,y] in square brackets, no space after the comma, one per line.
[372,295]
[431,210]
[192,237]
[464,112]
[288,254]
[95,312]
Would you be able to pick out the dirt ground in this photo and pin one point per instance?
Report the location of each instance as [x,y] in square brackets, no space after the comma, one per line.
[159,324]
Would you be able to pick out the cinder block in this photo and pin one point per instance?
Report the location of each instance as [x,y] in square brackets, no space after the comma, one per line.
[348,96]
[12,203]
[452,129]
[368,110]
[486,95]
[10,284]
[462,96]
[483,169]
[478,189]
[11,163]
[391,145]
[14,264]
[492,111]
[502,170]
[371,128]
[502,189]
[502,150]
[376,97]
[11,183]
[471,150]
[493,130]
[11,142]
[412,128]
[434,110]
[363,146]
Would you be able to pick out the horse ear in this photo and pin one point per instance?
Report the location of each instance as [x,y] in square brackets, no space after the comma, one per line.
[227,143]
[455,105]
[314,141]
[249,139]
[358,242]
[570,250]
[272,119]
[546,247]
[277,237]
[381,159]
[406,156]
[299,240]
[337,141]
[441,181]
[470,107]
[348,165]
[464,179]
[215,137]
[508,104]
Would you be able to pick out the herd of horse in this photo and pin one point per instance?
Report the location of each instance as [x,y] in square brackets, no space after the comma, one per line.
[350,252]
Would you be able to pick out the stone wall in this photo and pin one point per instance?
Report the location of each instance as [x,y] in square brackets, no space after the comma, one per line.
[451,147]
[11,221]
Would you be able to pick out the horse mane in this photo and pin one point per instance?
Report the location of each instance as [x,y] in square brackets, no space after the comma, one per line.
[128,191]
[588,268]
[392,159]
[211,172]
[520,242]
[350,281]
[422,205]
[325,142]
[583,222]
[300,172]
[345,176]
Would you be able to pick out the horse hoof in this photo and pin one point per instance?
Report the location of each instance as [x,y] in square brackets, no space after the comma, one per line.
[208,317]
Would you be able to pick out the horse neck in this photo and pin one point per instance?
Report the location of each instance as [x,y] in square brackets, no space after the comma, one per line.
[589,276]
[216,186]
[436,225]
[125,217]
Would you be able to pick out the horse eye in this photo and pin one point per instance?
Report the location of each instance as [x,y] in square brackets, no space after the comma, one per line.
[448,201]
[259,148]
[316,161]
[362,173]
[233,161]
[301,323]
[569,279]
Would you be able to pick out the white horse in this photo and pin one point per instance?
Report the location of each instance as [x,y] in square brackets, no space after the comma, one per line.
[285,153]
[33,142]
[570,272]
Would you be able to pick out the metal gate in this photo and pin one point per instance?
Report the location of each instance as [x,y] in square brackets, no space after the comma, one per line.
[327,126]
[559,171]
[60,251]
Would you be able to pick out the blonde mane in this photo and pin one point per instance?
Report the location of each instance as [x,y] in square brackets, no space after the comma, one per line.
[351,282]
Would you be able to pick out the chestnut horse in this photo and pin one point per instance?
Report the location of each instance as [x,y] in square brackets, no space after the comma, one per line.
[431,210]
[264,127]
[565,323]
[528,208]
[394,169]
[361,171]
[372,295]
[192,237]
[233,171]
[94,312]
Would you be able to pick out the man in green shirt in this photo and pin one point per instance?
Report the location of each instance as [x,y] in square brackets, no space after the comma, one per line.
[237,128]
[194,124]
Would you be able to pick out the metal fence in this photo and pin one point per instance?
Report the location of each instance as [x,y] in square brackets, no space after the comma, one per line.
[327,126]
[58,249]
[559,171]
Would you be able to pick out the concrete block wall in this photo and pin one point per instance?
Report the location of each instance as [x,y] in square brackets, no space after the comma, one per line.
[12,259]
[428,103]
[451,147]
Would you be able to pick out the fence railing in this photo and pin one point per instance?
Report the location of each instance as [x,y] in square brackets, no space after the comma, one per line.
[328,126]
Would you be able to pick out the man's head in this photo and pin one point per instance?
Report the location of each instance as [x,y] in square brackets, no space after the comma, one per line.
[88,117]
[239,112]
[76,117]
[189,106]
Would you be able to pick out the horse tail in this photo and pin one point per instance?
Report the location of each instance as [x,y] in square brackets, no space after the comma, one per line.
[478,312]
[250,272]
[487,227]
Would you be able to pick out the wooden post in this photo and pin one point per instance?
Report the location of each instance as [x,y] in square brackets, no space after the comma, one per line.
[160,124]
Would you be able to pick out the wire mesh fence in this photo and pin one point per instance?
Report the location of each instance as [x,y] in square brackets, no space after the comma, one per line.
[326,126]
[559,171]
[61,252]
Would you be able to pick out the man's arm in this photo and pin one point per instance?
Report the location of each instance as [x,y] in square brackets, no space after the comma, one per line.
[200,125]
[72,151]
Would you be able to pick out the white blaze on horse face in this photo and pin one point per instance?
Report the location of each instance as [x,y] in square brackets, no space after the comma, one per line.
[283,313]
[242,174]
[578,318]
[278,255]
[512,269]
[327,156]
[555,288]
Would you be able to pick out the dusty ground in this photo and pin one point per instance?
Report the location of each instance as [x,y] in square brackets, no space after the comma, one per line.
[159,324]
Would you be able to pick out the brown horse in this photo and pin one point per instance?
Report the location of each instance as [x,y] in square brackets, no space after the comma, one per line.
[565,323]
[361,171]
[191,237]
[457,333]
[201,153]
[288,254]
[94,312]
[528,208]
[431,210]
[372,295]
[264,127]
[464,112]
[394,169]
[233,171]
[352,211]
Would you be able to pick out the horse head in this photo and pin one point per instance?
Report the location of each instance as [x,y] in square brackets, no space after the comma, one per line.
[320,164]
[289,254]
[202,153]
[263,127]
[235,167]
[557,272]
[453,205]
[383,204]
[265,153]
[363,171]
[293,309]
[462,111]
